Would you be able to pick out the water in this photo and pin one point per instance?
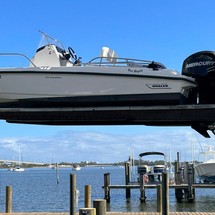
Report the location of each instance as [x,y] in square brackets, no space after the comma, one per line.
[36,190]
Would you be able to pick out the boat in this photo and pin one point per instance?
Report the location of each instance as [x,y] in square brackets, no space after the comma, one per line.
[151,174]
[76,167]
[18,168]
[205,171]
[53,166]
[56,77]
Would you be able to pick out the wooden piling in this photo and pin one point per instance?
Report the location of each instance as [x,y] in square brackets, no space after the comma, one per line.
[159,198]
[190,179]
[165,194]
[142,189]
[106,187]
[72,194]
[179,193]
[127,179]
[87,196]
[8,199]
[176,172]
[57,174]
[100,206]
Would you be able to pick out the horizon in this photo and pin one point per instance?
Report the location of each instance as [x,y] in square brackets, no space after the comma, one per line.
[164,31]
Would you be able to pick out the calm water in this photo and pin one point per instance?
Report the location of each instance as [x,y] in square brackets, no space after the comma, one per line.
[36,190]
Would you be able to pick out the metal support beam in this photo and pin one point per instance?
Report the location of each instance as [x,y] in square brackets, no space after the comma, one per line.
[199,117]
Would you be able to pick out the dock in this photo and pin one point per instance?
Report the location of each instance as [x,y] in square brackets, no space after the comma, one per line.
[183,184]
[99,205]
[153,186]
[114,213]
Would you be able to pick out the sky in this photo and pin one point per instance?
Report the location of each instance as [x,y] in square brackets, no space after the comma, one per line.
[166,31]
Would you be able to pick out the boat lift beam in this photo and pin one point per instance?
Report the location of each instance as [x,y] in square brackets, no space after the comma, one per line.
[199,117]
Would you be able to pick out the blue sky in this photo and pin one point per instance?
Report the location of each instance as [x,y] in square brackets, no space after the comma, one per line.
[166,31]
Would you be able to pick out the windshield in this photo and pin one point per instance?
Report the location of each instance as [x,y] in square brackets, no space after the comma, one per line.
[47,40]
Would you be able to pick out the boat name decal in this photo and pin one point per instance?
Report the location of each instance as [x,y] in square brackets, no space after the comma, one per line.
[53,77]
[200,63]
[135,70]
[165,86]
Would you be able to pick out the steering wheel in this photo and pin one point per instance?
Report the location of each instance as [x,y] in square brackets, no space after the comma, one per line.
[72,53]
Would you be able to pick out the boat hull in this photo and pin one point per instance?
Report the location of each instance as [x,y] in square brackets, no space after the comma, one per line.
[18,169]
[75,87]
[76,168]
[206,172]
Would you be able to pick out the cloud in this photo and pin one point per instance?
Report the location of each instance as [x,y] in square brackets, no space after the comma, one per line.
[100,146]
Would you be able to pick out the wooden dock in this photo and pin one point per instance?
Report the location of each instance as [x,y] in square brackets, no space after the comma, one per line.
[154,186]
[113,213]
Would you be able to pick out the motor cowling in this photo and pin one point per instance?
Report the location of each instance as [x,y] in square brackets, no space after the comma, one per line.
[201,66]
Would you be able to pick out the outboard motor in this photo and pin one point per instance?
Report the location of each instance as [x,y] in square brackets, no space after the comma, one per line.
[201,66]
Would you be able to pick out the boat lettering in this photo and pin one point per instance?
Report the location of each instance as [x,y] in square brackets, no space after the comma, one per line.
[53,77]
[135,70]
[163,85]
[201,63]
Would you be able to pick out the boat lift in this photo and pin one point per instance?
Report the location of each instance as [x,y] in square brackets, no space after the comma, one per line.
[200,117]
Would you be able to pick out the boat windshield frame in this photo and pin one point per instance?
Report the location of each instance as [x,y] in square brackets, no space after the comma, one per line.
[46,40]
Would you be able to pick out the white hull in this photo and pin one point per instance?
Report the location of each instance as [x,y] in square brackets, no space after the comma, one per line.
[95,83]
[205,169]
[18,169]
[206,172]
[58,77]
[76,168]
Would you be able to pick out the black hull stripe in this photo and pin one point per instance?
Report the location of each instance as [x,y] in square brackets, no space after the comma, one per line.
[90,101]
